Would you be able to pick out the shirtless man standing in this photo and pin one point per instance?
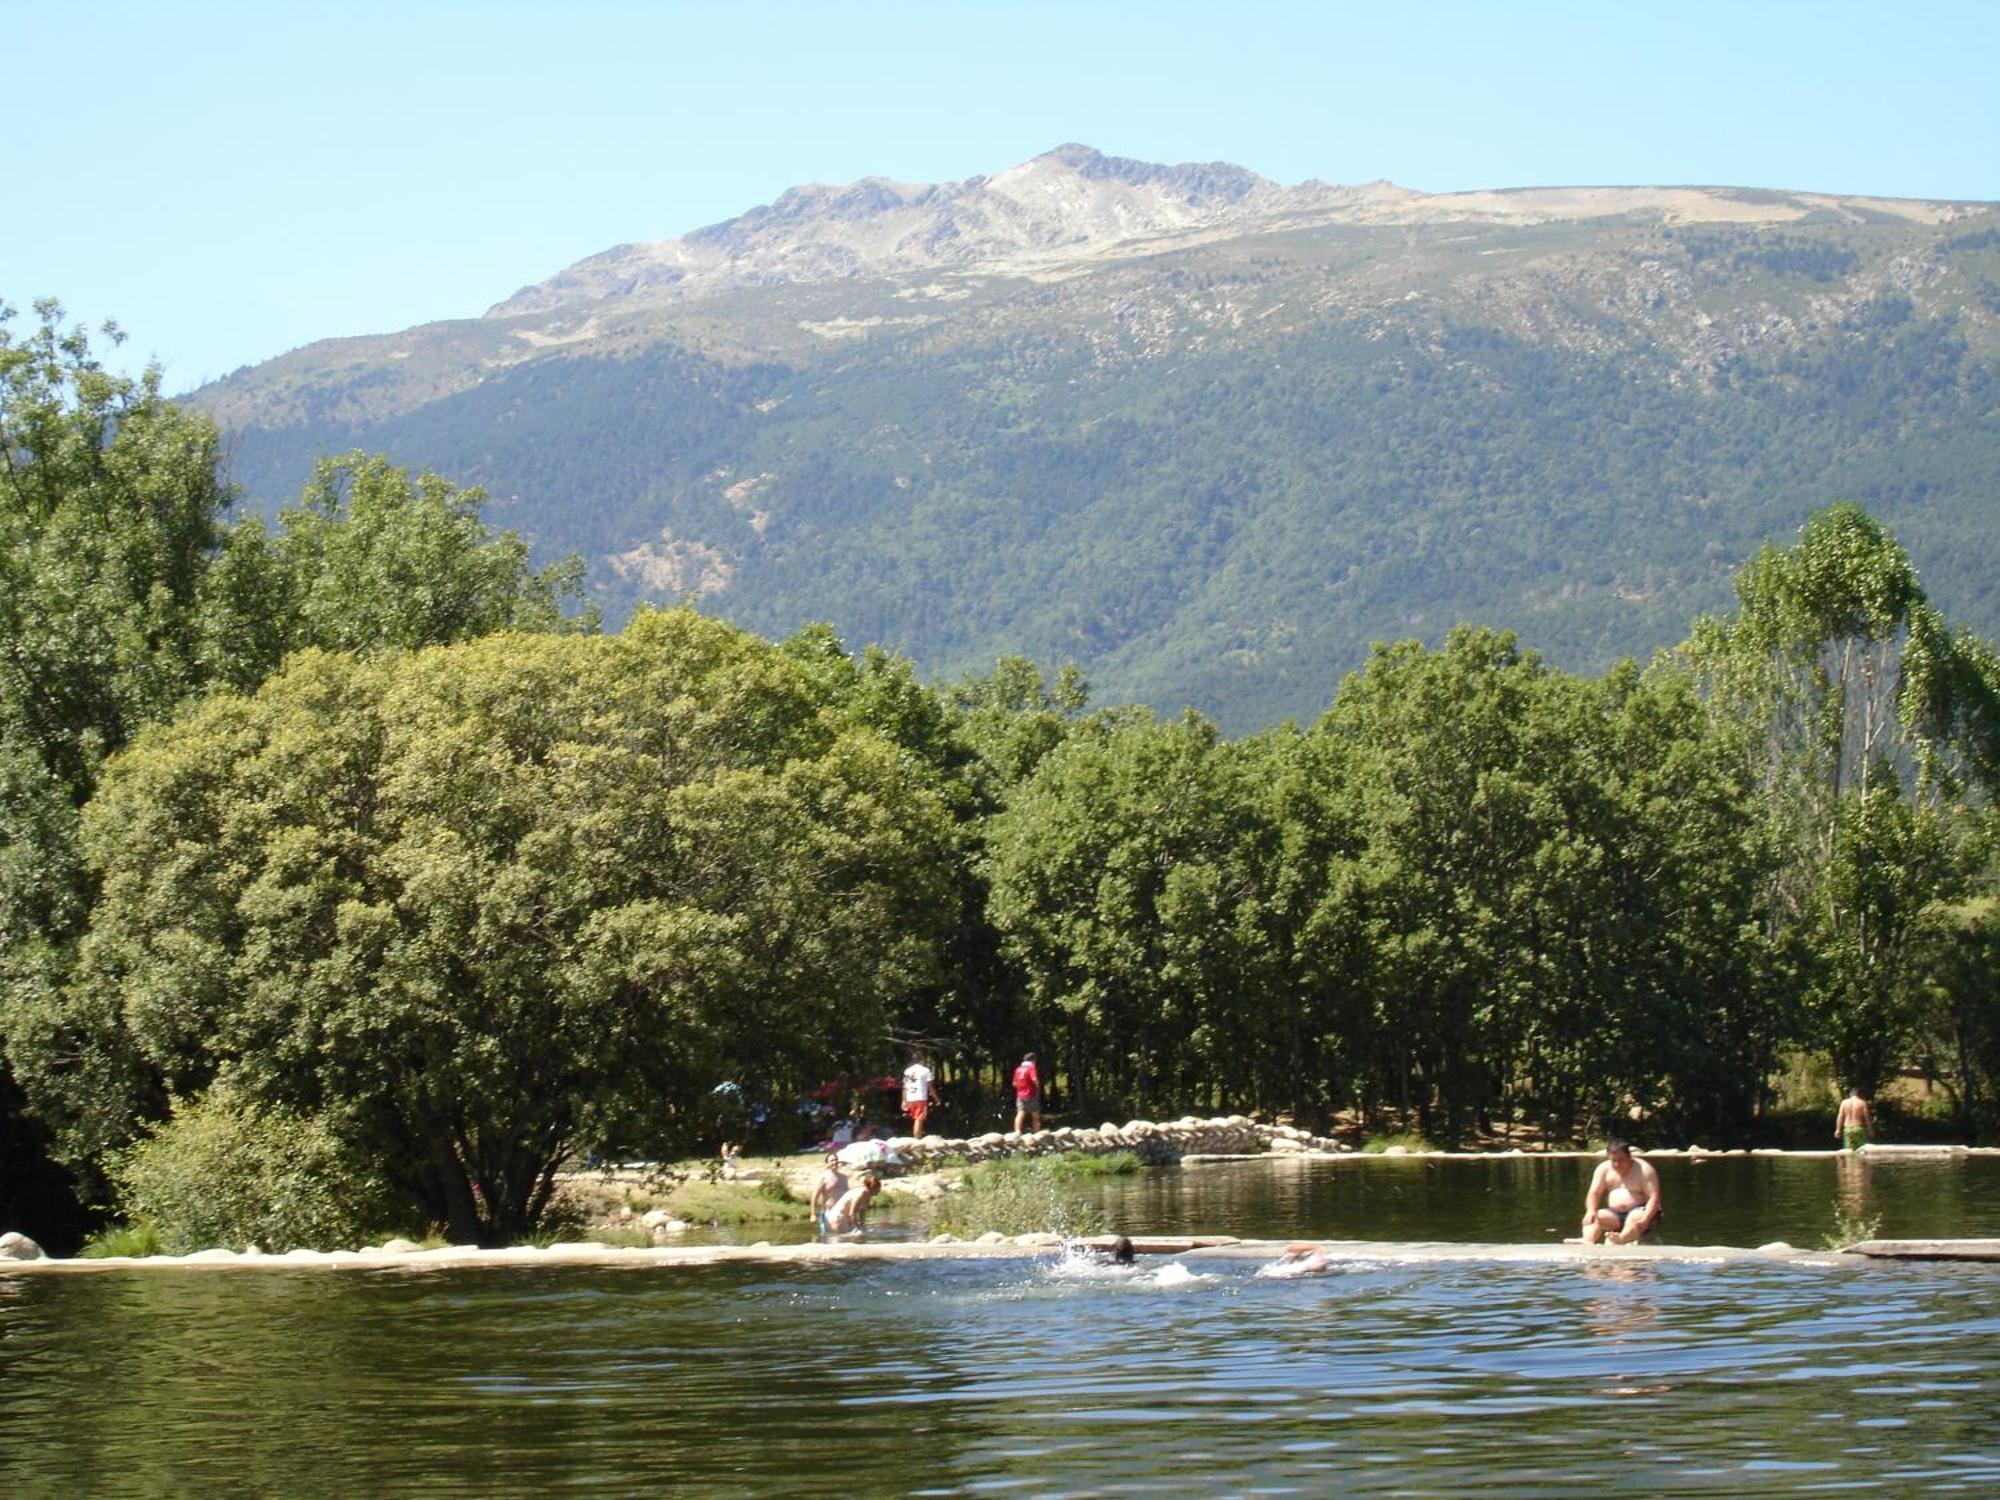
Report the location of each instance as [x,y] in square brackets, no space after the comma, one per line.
[827,1191]
[1624,1199]
[1854,1125]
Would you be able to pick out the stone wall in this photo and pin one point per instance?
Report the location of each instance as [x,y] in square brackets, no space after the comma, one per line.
[1153,1142]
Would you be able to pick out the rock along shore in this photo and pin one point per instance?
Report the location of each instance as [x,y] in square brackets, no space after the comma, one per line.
[1154,1142]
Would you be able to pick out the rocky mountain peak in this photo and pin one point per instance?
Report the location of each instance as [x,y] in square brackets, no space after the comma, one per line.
[1194,182]
[1071,202]
[1074,206]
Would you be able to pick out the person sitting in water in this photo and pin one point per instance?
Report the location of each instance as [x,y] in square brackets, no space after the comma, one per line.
[1298,1260]
[850,1214]
[1623,1204]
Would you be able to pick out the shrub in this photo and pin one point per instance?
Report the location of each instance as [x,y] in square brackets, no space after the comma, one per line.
[135,1240]
[1851,1228]
[223,1172]
[1018,1197]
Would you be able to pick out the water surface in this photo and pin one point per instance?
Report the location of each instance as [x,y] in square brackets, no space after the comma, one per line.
[982,1377]
[1187,1377]
[1706,1200]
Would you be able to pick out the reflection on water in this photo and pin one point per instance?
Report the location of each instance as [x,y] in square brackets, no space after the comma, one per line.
[977,1377]
[1713,1200]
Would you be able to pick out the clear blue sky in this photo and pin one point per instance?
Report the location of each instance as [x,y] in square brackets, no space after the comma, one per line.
[233,180]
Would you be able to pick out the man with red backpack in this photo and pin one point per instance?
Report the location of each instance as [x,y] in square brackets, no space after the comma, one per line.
[1027,1094]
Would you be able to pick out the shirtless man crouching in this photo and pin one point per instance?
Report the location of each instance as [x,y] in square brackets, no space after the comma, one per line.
[1623,1205]
[850,1214]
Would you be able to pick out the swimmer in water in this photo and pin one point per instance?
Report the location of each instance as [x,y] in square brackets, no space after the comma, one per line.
[1298,1260]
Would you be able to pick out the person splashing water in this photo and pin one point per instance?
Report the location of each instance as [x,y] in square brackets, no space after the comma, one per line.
[1298,1260]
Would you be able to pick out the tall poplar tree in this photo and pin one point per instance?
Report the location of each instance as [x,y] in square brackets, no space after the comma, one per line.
[1874,731]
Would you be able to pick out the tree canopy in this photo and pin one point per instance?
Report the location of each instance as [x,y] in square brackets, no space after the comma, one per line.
[487,905]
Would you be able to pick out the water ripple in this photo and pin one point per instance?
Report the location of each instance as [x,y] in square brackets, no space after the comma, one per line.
[990,1377]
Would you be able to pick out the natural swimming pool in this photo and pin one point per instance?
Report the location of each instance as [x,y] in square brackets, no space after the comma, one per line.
[1019,1376]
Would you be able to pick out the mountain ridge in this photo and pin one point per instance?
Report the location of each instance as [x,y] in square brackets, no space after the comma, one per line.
[1074,203]
[1213,461]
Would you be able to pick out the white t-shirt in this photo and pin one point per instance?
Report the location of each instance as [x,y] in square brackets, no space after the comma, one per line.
[916,1084]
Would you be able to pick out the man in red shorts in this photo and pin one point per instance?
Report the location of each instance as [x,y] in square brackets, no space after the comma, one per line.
[919,1094]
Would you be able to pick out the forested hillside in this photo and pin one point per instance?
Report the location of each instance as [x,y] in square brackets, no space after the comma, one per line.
[1215,473]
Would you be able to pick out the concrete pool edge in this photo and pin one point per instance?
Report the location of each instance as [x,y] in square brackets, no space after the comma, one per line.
[1193,1247]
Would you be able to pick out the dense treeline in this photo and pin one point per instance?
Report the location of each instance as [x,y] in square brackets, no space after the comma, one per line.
[349,833]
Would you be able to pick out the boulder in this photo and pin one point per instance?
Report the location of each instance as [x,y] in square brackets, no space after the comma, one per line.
[991,1237]
[17,1246]
[399,1246]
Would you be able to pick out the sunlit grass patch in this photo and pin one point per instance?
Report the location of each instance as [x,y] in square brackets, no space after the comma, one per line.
[1409,1140]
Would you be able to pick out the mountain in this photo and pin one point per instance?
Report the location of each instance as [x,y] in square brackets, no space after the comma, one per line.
[1204,433]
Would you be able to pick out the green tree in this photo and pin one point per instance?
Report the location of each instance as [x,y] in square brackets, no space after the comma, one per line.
[1872,728]
[122,594]
[109,513]
[1013,716]
[1549,892]
[374,558]
[482,906]
[1447,813]
[109,507]
[1120,886]
[1961,1024]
